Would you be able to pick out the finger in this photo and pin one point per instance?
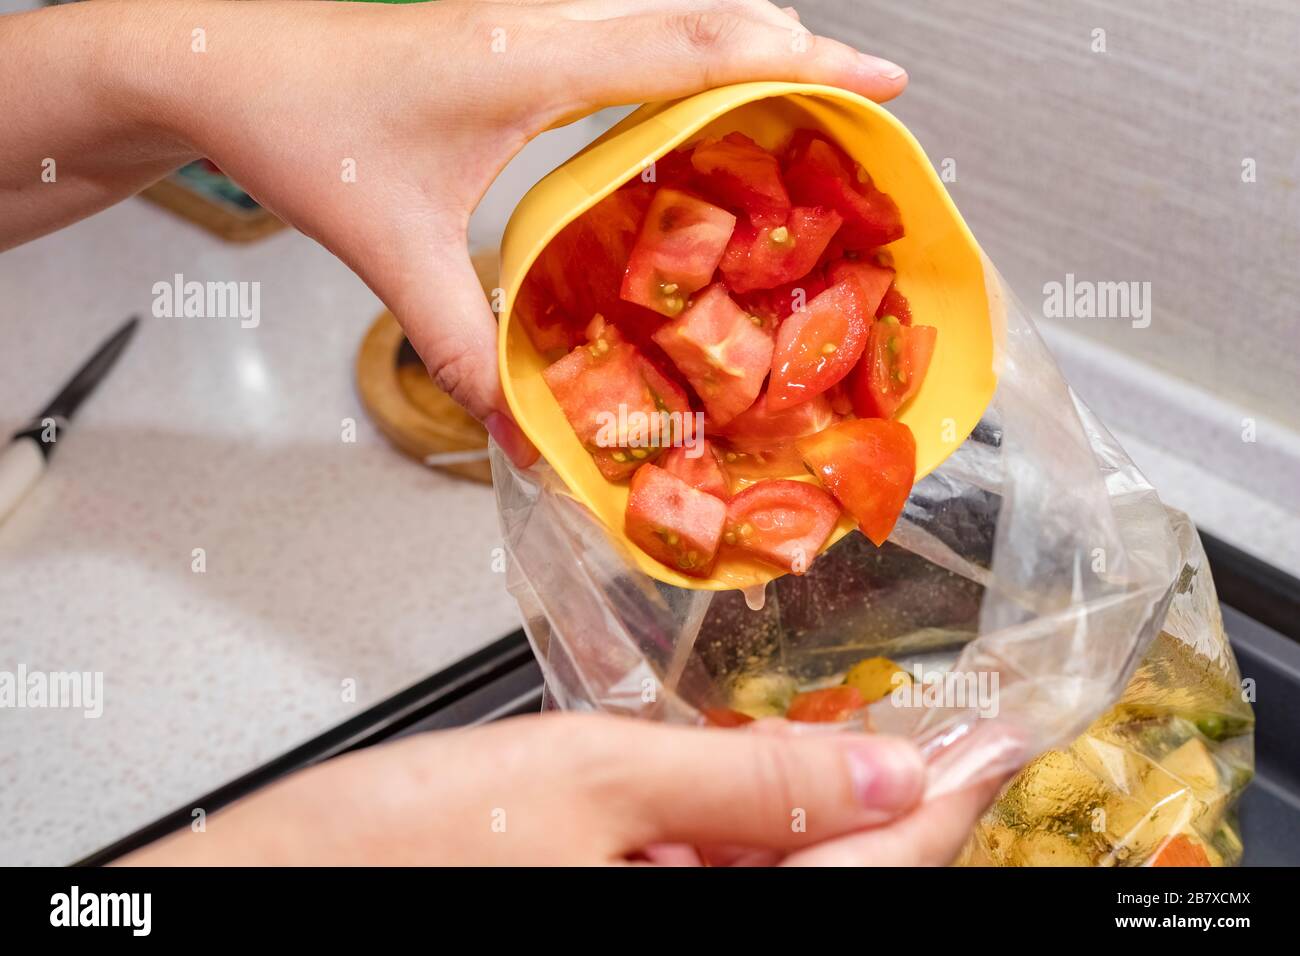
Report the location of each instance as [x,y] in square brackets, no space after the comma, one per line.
[761,10]
[657,57]
[664,785]
[931,835]
[451,327]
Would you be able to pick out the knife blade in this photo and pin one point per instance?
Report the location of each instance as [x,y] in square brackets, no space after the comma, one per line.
[22,461]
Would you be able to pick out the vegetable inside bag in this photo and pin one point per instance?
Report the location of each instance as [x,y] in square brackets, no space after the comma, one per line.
[1026,581]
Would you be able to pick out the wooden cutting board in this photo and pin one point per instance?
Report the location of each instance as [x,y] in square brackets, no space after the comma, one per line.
[409,409]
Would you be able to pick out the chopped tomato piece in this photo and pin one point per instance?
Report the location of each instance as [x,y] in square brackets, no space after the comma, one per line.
[869,465]
[593,381]
[672,170]
[673,522]
[552,330]
[762,424]
[704,471]
[873,280]
[720,350]
[819,173]
[838,396]
[739,174]
[725,717]
[782,522]
[819,346]
[895,303]
[892,367]
[668,395]
[1181,850]
[556,302]
[776,304]
[826,706]
[759,257]
[762,460]
[676,253]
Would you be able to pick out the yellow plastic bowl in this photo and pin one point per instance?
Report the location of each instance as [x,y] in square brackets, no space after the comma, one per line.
[940,270]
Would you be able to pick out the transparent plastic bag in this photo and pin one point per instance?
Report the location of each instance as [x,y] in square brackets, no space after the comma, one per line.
[1026,581]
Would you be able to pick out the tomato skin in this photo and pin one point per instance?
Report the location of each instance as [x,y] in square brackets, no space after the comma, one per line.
[597,378]
[673,171]
[720,350]
[760,461]
[1181,850]
[819,346]
[552,330]
[873,281]
[705,473]
[679,246]
[672,522]
[892,368]
[826,706]
[778,303]
[782,522]
[756,259]
[554,305]
[819,173]
[895,303]
[740,175]
[763,424]
[869,465]
[725,717]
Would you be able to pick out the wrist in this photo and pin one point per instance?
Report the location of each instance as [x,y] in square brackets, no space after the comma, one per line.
[147,70]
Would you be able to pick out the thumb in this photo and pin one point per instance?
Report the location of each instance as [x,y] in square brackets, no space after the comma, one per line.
[711,787]
[450,325]
[934,833]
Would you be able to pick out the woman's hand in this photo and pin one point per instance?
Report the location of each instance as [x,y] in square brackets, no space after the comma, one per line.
[374,129]
[585,789]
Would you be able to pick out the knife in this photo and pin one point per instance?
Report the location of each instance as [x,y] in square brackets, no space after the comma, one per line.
[22,461]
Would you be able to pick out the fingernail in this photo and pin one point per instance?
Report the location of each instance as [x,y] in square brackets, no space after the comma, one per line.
[886,68]
[887,774]
[512,440]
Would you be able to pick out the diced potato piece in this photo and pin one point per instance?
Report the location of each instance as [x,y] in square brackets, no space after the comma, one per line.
[1056,784]
[1193,764]
[1136,825]
[1051,848]
[974,853]
[1117,766]
[874,677]
[998,840]
[763,695]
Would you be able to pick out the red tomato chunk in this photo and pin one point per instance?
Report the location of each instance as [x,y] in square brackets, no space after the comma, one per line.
[704,472]
[742,176]
[869,465]
[829,705]
[673,522]
[680,245]
[782,522]
[762,258]
[819,346]
[720,350]
[819,173]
